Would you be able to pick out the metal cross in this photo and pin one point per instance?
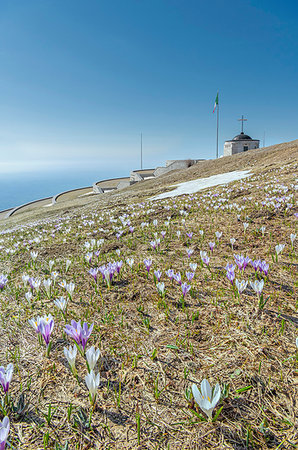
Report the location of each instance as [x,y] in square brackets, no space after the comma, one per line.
[242,120]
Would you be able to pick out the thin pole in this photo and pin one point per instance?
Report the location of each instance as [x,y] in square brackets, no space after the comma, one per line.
[217,130]
[141,150]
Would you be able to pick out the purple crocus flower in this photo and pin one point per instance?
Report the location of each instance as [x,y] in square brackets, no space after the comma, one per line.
[46,328]
[189,276]
[189,235]
[256,264]
[189,252]
[74,330]
[93,273]
[177,277]
[242,261]
[264,267]
[170,274]
[185,288]
[118,266]
[157,274]
[85,333]
[230,268]
[3,281]
[212,245]
[4,431]
[5,377]
[148,263]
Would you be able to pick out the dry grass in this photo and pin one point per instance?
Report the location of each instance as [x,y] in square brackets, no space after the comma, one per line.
[153,349]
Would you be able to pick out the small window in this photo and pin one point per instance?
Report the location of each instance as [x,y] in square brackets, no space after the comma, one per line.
[245,148]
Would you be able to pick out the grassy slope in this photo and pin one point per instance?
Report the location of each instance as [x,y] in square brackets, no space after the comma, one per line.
[216,335]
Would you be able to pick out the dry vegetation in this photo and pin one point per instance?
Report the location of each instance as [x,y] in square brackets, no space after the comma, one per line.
[154,347]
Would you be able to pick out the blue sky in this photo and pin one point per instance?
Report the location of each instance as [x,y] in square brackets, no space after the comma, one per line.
[80,81]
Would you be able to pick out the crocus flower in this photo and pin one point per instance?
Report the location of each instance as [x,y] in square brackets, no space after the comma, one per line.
[92,382]
[46,329]
[232,241]
[264,267]
[170,273]
[208,398]
[157,274]
[71,354]
[74,331]
[212,245]
[93,273]
[61,303]
[193,266]
[185,288]
[241,285]
[230,268]
[279,248]
[3,281]
[292,237]
[67,265]
[4,431]
[161,288]
[148,263]
[189,252]
[130,262]
[28,296]
[6,376]
[92,356]
[189,276]
[70,288]
[245,225]
[263,228]
[218,235]
[177,277]
[33,255]
[85,334]
[257,286]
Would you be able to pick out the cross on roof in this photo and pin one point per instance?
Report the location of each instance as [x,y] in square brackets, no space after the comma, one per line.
[242,120]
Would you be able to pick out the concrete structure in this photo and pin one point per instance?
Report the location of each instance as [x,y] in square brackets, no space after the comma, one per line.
[175,164]
[240,143]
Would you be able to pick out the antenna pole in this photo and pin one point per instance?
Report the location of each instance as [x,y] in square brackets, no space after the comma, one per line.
[217,130]
[141,150]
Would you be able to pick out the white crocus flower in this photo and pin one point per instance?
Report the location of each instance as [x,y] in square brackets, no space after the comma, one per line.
[263,228]
[279,248]
[297,342]
[245,225]
[71,354]
[292,237]
[207,399]
[218,234]
[33,255]
[193,266]
[67,266]
[92,382]
[28,296]
[61,303]
[232,241]
[257,286]
[51,264]
[47,285]
[70,288]
[161,288]
[92,356]
[241,285]
[130,262]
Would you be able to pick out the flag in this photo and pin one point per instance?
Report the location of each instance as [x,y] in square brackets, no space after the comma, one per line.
[215,103]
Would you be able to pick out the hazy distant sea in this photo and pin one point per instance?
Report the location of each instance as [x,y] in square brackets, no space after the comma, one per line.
[21,188]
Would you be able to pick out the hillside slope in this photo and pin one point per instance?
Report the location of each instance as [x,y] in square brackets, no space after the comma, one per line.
[173,291]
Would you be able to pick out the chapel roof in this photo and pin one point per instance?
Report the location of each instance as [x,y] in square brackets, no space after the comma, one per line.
[242,137]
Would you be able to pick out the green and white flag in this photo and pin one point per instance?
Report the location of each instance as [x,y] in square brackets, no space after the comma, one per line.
[216,103]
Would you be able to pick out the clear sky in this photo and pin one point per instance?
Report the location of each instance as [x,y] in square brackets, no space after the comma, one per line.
[80,80]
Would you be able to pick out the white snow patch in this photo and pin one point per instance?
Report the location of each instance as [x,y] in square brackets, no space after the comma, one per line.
[190,187]
[48,205]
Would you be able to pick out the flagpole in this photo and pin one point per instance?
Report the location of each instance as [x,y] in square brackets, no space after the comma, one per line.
[217,127]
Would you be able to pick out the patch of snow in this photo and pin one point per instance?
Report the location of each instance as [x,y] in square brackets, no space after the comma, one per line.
[46,206]
[190,187]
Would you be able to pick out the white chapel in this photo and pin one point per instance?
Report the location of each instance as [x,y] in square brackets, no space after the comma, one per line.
[240,143]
